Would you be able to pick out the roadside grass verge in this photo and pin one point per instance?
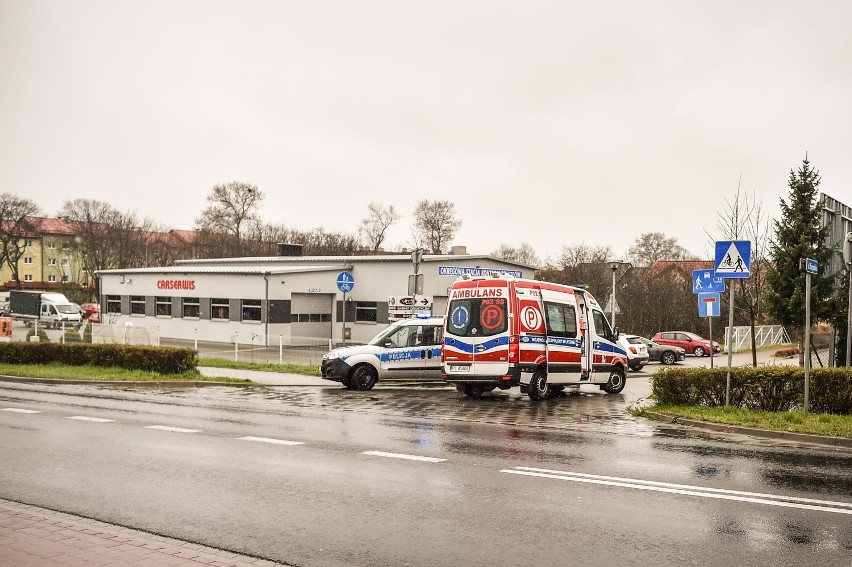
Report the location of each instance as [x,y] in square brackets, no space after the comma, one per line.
[304,369]
[795,422]
[58,371]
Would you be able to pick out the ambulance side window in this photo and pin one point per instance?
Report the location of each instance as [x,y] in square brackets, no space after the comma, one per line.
[602,326]
[561,320]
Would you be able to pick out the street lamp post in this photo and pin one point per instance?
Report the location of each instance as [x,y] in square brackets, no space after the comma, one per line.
[614,267]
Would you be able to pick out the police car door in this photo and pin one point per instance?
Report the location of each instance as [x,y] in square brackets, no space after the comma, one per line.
[400,357]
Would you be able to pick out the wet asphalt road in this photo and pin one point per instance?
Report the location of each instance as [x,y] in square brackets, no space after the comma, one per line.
[499,481]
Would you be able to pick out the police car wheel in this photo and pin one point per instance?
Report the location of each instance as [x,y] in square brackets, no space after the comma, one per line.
[363,378]
[538,389]
[347,382]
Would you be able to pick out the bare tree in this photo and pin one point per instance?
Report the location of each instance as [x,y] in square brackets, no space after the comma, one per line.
[745,219]
[653,246]
[16,225]
[435,224]
[524,253]
[581,264]
[374,227]
[231,207]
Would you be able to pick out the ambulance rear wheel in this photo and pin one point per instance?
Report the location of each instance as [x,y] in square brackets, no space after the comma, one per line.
[473,390]
[363,378]
[616,381]
[538,389]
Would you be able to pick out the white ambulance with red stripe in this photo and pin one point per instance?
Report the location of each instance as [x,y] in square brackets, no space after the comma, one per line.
[501,332]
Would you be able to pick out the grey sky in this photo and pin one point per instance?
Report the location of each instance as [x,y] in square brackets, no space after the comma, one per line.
[547,122]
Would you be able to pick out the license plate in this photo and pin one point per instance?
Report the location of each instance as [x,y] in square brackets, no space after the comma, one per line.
[459,368]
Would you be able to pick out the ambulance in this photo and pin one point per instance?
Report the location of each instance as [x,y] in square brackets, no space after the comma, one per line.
[501,332]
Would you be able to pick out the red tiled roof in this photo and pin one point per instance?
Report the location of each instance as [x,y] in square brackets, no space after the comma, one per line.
[187,236]
[686,266]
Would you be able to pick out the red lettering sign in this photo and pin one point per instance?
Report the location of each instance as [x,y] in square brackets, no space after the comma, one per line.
[176,284]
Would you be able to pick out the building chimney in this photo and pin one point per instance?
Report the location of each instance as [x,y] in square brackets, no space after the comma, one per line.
[286,249]
[458,251]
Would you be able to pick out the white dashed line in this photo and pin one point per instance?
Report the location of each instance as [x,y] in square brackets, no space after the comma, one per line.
[404,457]
[173,429]
[19,410]
[270,440]
[92,419]
[686,490]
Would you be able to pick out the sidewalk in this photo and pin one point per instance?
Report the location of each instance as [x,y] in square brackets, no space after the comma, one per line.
[267,378]
[36,537]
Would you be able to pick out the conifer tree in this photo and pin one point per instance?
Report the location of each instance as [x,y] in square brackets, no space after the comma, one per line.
[798,234]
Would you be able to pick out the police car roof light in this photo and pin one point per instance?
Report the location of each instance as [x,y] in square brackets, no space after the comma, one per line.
[423,315]
[465,276]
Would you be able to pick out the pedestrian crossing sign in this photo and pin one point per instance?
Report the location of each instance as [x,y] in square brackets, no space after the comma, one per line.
[733,259]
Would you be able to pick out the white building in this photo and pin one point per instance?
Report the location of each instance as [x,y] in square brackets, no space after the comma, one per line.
[290,298]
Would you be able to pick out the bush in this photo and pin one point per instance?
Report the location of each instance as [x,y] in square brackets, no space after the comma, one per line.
[768,388]
[162,360]
[72,335]
[42,335]
[787,352]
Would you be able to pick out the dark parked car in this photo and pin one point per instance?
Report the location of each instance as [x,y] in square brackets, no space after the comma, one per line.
[664,354]
[690,342]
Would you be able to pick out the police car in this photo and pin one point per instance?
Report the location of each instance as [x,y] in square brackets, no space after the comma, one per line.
[409,349]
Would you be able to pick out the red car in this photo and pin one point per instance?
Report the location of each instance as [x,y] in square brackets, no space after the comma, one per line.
[89,308]
[690,342]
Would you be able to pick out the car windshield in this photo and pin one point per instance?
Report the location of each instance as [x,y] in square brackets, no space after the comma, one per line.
[380,338]
[68,309]
[694,337]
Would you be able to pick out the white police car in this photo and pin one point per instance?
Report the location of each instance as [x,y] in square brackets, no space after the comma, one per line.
[409,349]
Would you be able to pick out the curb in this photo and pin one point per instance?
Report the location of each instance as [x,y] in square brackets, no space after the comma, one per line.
[24,380]
[842,442]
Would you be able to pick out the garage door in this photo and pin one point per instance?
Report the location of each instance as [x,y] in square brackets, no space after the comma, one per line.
[310,316]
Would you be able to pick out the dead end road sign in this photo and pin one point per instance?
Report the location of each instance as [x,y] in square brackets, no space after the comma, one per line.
[709,305]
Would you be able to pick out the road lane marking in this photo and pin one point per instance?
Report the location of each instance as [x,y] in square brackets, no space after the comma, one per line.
[170,428]
[270,440]
[405,457]
[694,491]
[691,487]
[92,419]
[20,410]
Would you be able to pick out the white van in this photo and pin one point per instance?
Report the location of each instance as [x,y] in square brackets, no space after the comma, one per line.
[409,349]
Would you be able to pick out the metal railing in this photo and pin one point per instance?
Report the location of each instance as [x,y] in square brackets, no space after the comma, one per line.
[763,335]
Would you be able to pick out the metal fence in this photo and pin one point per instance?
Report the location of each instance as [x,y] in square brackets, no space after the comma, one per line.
[763,334]
[246,347]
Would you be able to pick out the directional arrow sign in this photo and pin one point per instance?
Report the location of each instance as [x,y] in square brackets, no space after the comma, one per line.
[708,305]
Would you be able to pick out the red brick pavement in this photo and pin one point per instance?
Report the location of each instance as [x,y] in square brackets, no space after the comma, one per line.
[35,537]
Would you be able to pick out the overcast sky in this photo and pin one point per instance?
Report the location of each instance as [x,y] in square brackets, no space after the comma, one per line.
[548,122]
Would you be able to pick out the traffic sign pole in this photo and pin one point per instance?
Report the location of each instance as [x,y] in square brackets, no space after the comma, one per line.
[729,346]
[807,336]
[711,341]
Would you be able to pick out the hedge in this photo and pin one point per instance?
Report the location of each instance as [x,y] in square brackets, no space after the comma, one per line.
[766,388]
[162,360]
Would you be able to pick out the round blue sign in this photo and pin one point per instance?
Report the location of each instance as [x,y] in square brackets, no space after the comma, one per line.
[345,282]
[459,317]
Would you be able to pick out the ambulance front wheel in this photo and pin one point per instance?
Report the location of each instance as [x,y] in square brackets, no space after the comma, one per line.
[363,378]
[538,389]
[616,381]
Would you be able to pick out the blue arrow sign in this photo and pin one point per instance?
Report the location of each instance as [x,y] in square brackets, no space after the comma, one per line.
[733,259]
[708,305]
[705,281]
[345,282]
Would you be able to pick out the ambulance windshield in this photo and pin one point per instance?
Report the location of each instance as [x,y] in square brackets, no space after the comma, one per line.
[476,317]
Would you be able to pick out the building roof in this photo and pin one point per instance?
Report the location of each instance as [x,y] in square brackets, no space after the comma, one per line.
[241,270]
[685,266]
[324,259]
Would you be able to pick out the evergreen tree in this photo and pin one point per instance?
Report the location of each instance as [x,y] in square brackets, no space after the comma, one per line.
[798,234]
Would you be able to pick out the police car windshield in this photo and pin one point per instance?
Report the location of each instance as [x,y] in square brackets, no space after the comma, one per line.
[379,339]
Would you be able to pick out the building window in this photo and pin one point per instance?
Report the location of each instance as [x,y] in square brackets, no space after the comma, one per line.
[28,260]
[220,309]
[28,278]
[251,310]
[365,311]
[312,318]
[51,244]
[64,261]
[65,278]
[113,304]
[137,304]
[28,242]
[164,306]
[51,261]
[191,308]
[51,278]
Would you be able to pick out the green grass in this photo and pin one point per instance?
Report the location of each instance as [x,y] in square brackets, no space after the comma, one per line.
[304,369]
[796,422]
[58,371]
